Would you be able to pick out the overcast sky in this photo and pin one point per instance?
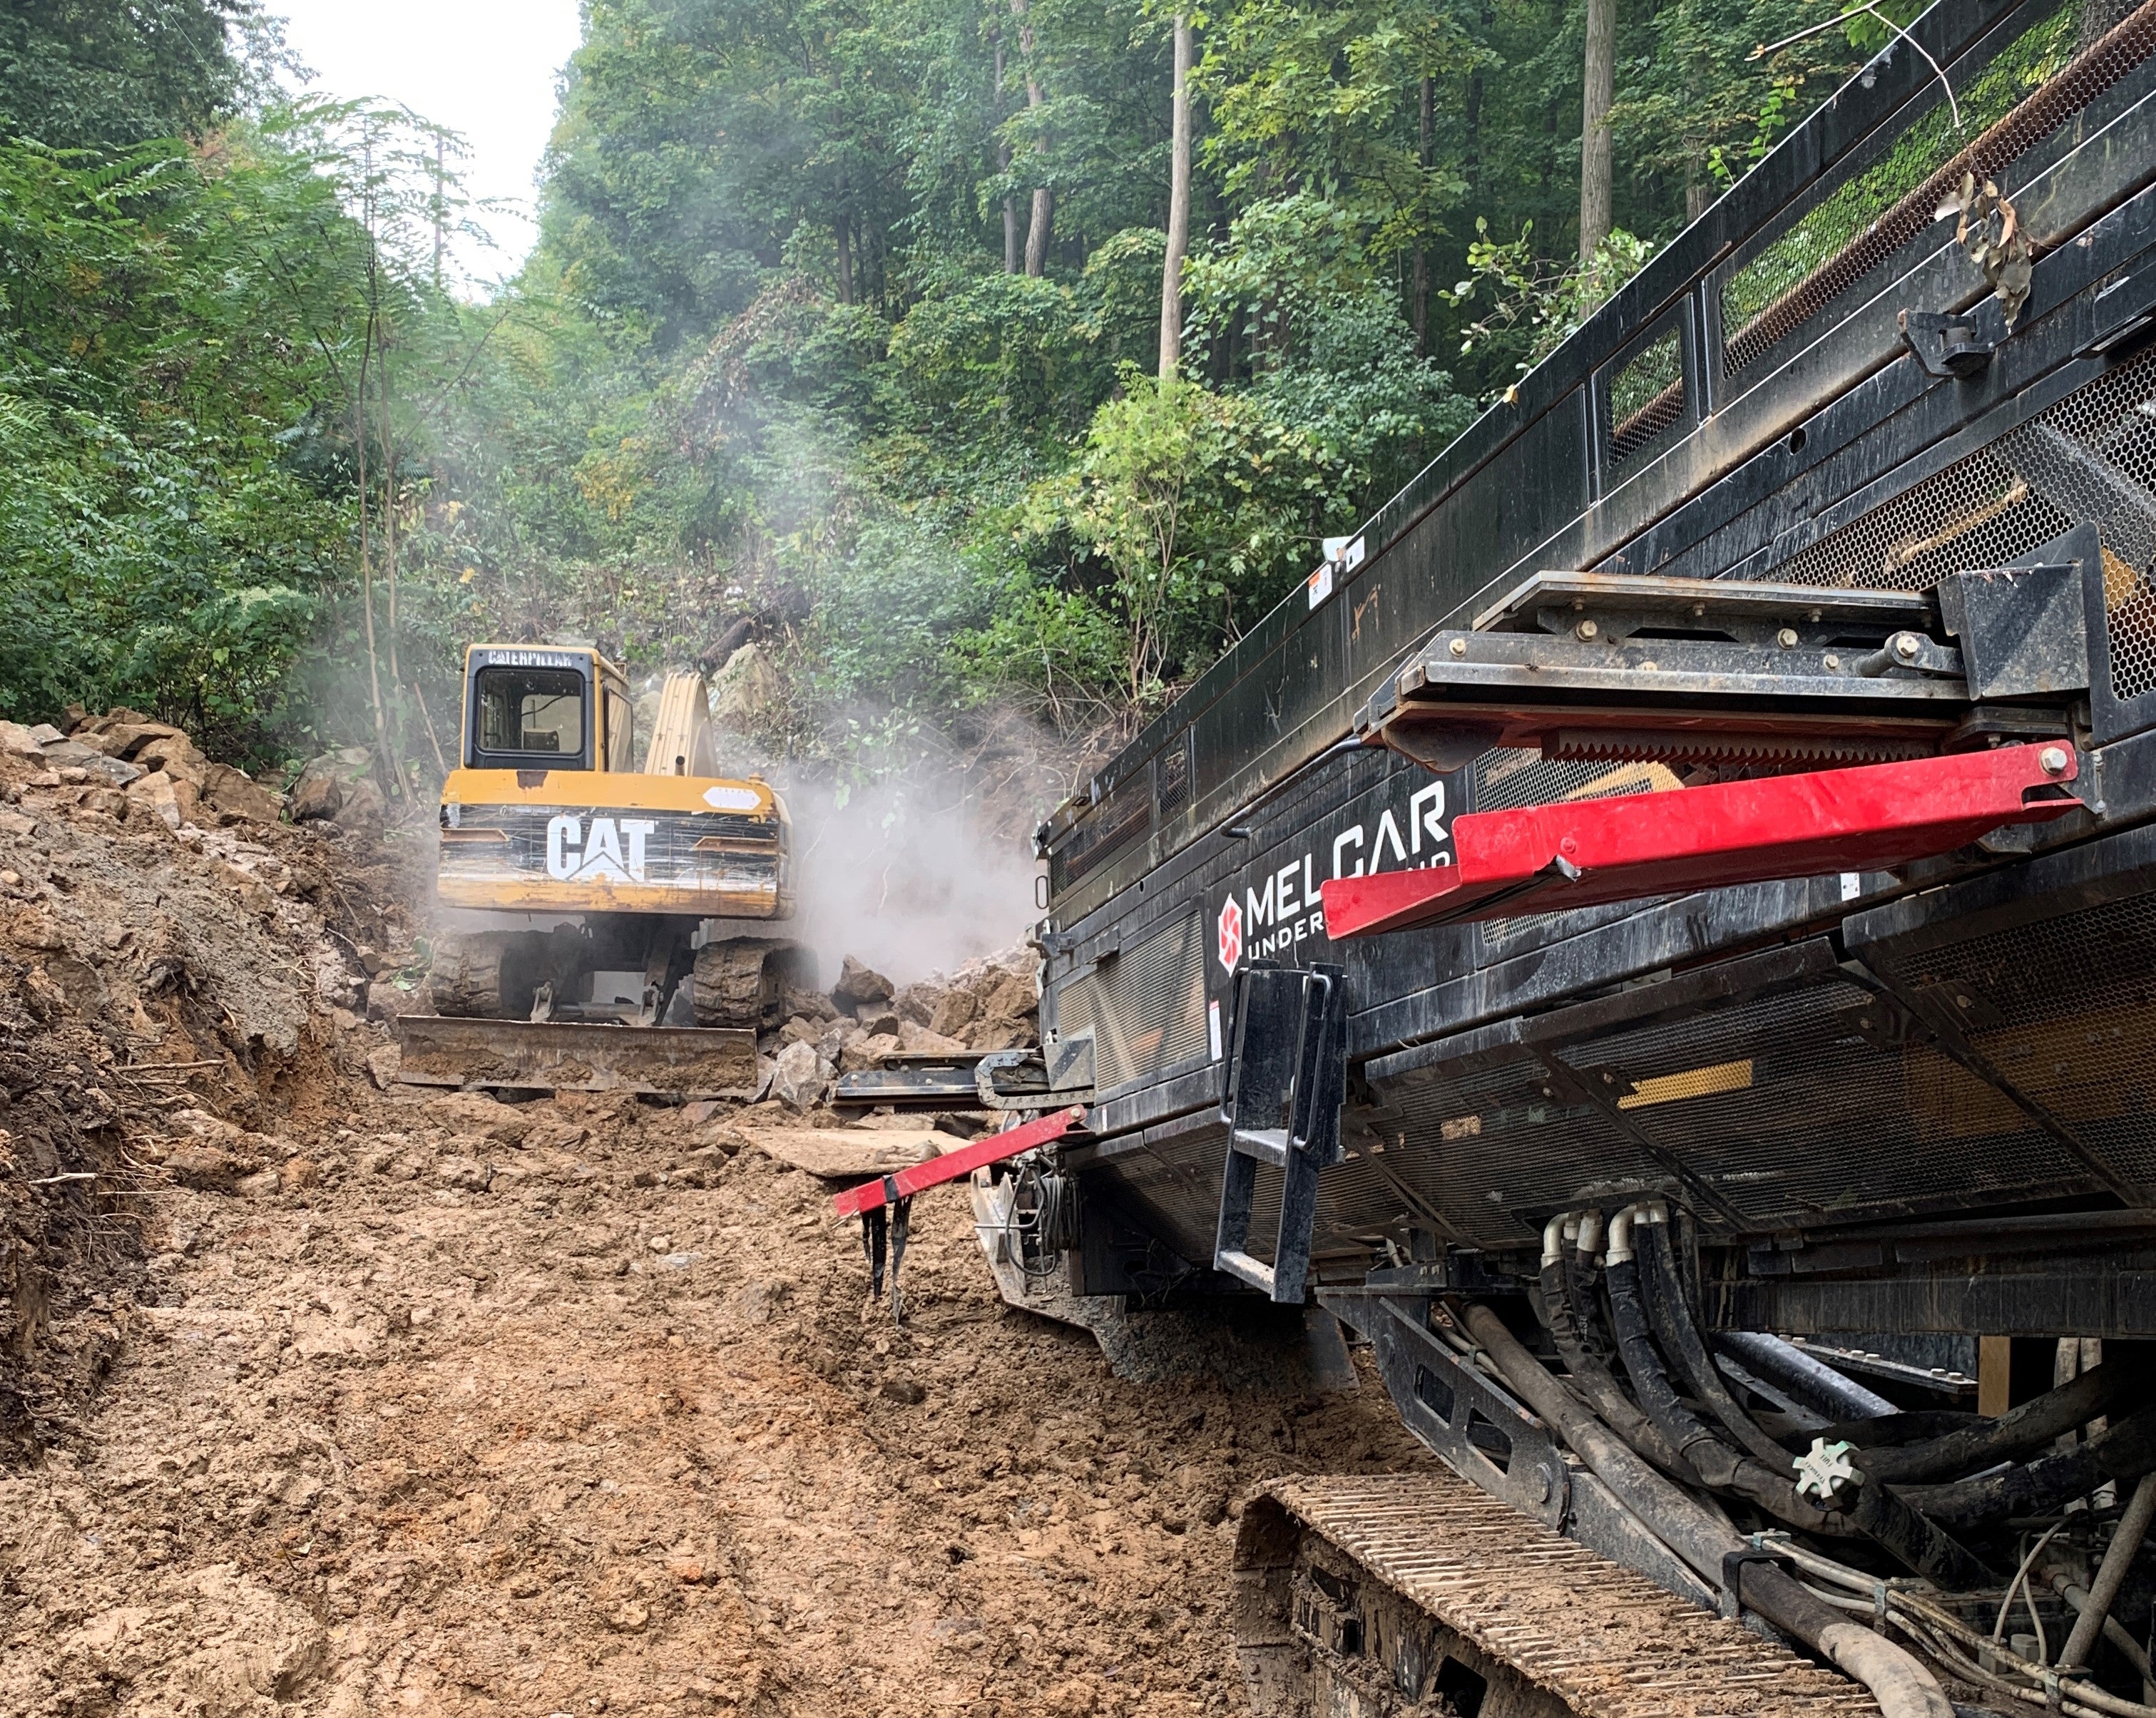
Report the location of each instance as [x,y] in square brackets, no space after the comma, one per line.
[485,68]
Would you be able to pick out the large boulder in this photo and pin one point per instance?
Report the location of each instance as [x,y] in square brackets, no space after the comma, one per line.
[319,791]
[919,1040]
[173,753]
[364,807]
[868,1051]
[158,794]
[744,691]
[799,1077]
[919,1000]
[237,798]
[958,1010]
[19,741]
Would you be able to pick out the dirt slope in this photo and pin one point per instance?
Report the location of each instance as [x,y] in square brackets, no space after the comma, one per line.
[347,1402]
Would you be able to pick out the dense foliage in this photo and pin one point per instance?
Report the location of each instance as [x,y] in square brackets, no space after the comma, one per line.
[842,323]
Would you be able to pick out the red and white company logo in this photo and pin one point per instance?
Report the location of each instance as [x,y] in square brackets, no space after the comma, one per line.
[1231,933]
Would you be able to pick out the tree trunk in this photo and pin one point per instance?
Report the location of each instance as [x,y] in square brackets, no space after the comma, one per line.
[845,263]
[388,502]
[438,210]
[1699,189]
[1599,92]
[366,547]
[1043,224]
[1419,311]
[394,785]
[1179,207]
[1039,230]
[1002,166]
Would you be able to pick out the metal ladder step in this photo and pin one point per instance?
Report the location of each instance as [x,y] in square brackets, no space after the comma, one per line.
[1256,1272]
[1290,1061]
[1268,1145]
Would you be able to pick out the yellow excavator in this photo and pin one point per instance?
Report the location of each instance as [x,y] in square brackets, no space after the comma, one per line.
[610,916]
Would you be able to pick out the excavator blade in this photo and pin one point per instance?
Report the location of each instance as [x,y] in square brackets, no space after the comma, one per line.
[686,1062]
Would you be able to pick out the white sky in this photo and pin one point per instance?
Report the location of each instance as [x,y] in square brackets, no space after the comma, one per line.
[484,68]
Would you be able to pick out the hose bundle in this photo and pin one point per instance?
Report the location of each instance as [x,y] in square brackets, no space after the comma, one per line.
[1673,1433]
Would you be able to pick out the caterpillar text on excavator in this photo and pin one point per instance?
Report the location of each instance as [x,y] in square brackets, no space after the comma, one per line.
[1658,938]
[614,916]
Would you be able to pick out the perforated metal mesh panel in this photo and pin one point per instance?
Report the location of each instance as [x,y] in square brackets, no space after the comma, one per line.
[1175,777]
[1484,1144]
[1123,814]
[2091,457]
[1176,1187]
[1146,1008]
[1510,777]
[1892,199]
[1646,400]
[2066,1009]
[1835,1118]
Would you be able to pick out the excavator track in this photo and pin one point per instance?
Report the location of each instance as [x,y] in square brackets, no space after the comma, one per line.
[1411,1596]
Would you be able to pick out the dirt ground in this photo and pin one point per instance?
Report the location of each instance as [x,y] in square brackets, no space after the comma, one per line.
[439,1405]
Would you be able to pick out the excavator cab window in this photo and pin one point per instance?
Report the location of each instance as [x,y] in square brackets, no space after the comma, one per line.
[531,713]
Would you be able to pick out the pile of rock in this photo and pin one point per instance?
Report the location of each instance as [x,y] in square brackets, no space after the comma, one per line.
[987,1004]
[124,760]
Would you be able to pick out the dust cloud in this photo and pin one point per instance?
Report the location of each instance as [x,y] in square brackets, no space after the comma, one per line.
[905,874]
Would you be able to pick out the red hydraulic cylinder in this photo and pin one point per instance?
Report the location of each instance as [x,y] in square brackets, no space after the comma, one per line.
[989,1148]
[1588,853]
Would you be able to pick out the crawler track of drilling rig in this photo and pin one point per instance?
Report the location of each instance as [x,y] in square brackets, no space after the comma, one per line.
[1395,1594]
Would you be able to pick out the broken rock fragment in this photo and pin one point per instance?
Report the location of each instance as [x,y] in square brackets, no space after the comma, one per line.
[859,986]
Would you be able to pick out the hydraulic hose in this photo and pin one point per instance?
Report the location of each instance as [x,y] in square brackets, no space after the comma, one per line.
[1901,1684]
[1897,1527]
[1680,1338]
[1812,1382]
[1583,1271]
[2123,1452]
[1892,1430]
[2063,1581]
[1560,1317]
[2092,1395]
[1708,1456]
[2111,1575]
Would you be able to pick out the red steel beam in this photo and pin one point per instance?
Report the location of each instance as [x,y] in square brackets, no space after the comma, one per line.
[1541,858]
[989,1148]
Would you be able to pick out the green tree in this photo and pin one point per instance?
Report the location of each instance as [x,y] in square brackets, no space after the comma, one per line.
[87,74]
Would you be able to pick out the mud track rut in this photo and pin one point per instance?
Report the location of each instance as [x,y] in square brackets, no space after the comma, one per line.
[597,1424]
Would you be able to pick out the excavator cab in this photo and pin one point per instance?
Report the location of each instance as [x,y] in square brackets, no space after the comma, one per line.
[529,708]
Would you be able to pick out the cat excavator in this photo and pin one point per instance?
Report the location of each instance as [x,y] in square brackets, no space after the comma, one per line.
[608,919]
